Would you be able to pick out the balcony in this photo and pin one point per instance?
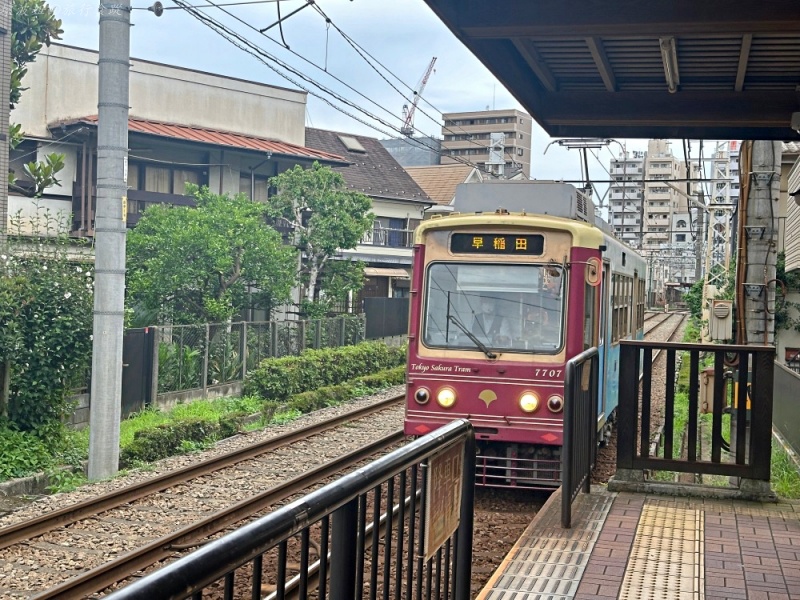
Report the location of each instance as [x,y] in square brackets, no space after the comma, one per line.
[389,238]
[138,201]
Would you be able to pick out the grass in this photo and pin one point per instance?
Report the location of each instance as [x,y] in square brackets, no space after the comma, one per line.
[785,478]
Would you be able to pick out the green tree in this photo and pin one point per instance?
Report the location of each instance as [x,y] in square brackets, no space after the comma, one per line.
[205,264]
[326,218]
[33,25]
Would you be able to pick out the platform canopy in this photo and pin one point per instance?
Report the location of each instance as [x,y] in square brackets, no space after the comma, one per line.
[713,69]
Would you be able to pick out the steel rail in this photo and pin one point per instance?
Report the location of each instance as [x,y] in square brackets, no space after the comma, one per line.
[658,324]
[196,534]
[674,331]
[70,514]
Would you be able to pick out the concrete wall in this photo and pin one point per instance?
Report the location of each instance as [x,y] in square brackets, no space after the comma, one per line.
[63,86]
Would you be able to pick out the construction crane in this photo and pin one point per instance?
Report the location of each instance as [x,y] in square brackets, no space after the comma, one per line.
[408,113]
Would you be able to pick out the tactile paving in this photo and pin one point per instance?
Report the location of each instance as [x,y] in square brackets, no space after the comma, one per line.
[666,560]
[548,562]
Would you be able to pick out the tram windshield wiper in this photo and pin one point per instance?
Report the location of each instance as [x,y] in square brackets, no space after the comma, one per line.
[481,346]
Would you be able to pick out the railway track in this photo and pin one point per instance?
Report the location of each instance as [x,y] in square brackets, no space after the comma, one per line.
[657,320]
[87,547]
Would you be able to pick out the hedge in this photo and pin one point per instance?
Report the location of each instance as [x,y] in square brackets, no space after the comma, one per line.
[279,379]
[168,439]
[337,394]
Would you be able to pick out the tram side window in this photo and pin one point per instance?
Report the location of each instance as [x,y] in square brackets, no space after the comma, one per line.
[614,309]
[588,316]
[640,306]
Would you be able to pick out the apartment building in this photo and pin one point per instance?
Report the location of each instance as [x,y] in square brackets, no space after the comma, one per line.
[497,141]
[626,195]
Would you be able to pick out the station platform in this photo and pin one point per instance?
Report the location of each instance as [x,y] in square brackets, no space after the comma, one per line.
[642,546]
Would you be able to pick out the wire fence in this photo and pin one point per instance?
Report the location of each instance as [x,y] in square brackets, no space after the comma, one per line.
[197,356]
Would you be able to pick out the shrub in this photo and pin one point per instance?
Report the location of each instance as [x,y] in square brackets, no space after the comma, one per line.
[338,394]
[278,379]
[22,454]
[46,310]
[167,440]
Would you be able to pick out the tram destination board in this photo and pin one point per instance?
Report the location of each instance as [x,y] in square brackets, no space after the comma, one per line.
[496,243]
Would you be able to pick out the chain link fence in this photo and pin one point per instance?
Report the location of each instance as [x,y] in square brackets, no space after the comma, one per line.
[197,356]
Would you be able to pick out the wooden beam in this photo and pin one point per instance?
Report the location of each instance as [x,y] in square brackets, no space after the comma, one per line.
[582,18]
[601,60]
[744,56]
[535,62]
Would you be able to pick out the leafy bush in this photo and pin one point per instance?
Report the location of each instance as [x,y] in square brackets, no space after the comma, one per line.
[179,367]
[280,378]
[22,454]
[46,310]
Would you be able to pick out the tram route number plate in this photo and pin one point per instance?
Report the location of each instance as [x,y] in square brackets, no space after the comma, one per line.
[443,498]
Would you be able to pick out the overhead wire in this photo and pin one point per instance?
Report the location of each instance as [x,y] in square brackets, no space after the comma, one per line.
[263,56]
[362,52]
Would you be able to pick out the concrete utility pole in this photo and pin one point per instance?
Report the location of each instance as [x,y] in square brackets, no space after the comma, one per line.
[5,90]
[698,240]
[761,238]
[110,230]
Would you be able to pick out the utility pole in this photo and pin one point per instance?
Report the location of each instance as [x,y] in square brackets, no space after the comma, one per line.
[110,230]
[760,238]
[698,240]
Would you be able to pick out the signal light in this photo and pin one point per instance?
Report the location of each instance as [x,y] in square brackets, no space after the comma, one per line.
[422,395]
[555,404]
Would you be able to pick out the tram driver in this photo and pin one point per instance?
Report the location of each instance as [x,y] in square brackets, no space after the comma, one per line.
[490,326]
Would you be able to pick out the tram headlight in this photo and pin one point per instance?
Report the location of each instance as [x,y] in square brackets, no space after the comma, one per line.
[422,395]
[555,404]
[529,402]
[446,397]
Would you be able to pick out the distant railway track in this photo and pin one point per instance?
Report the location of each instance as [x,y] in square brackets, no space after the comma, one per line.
[126,531]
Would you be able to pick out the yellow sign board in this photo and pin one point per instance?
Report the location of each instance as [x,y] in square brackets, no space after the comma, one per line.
[443,498]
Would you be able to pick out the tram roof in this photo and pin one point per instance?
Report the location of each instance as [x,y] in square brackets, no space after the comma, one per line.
[584,68]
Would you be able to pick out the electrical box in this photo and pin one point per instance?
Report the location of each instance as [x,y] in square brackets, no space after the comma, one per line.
[720,320]
[706,398]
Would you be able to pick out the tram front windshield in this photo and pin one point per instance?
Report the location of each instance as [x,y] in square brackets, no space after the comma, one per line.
[513,308]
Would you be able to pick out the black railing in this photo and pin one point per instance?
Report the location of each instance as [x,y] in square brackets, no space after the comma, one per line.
[580,429]
[746,455]
[418,546]
[787,405]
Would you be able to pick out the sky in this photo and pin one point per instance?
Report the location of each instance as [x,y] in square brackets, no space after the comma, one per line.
[402,35]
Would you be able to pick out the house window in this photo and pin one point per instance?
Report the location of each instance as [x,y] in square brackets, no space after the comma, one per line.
[681,237]
[792,358]
[163,180]
[259,191]
[681,223]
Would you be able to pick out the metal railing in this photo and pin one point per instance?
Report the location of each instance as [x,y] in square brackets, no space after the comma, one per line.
[392,238]
[198,356]
[746,455]
[418,546]
[580,429]
[787,405]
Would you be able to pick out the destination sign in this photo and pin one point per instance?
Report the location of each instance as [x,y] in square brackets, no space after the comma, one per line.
[494,243]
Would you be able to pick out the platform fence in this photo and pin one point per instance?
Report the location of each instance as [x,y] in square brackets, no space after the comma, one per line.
[580,429]
[748,371]
[400,527]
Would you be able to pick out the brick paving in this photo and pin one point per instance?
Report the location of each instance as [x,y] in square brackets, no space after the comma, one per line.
[747,550]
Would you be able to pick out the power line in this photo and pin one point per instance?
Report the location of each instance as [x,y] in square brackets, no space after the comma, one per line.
[261,55]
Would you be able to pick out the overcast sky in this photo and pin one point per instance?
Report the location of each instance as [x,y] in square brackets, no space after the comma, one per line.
[403,35]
